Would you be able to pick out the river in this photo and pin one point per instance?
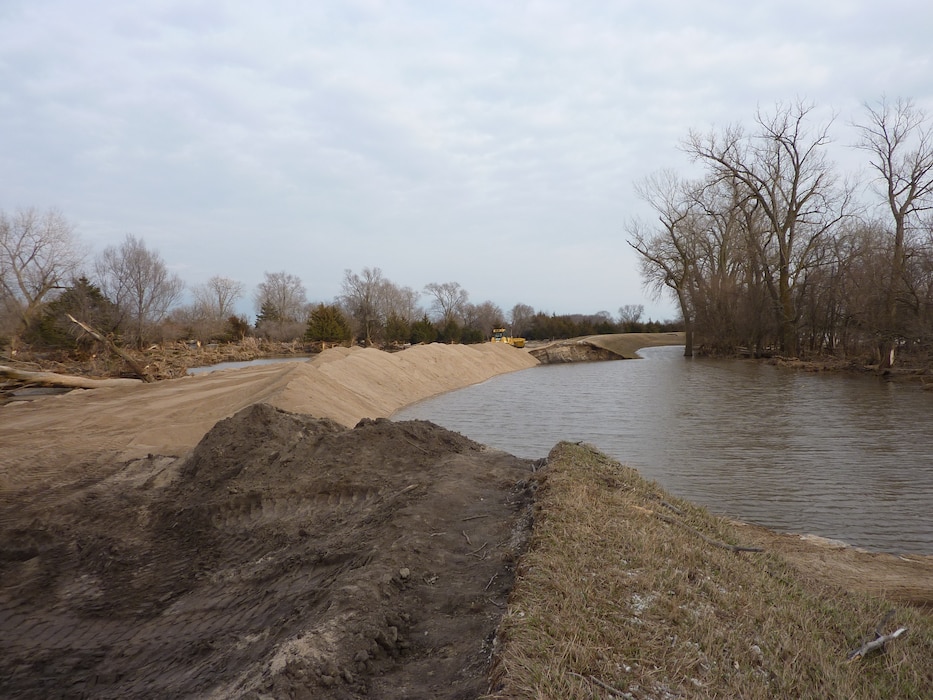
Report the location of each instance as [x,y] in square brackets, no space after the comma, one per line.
[843,457]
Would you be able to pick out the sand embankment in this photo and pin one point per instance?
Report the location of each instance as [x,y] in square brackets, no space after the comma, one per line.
[59,439]
[594,348]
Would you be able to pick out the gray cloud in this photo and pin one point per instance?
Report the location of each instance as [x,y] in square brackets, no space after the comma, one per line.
[495,144]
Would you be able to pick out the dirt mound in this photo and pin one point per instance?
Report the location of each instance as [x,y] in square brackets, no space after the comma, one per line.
[287,556]
[85,434]
[565,351]
[594,348]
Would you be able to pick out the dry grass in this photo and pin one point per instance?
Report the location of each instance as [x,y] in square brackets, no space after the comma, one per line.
[620,596]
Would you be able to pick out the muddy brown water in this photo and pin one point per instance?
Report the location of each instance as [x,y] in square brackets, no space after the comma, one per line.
[843,457]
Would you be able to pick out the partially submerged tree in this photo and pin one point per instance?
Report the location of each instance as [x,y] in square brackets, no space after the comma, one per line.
[782,173]
[668,255]
[899,139]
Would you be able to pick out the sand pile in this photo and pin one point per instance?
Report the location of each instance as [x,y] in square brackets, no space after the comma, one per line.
[348,384]
[59,439]
[192,538]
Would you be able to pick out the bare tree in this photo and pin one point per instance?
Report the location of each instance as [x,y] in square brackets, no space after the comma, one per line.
[281,296]
[900,141]
[137,280]
[38,255]
[520,317]
[399,310]
[732,287]
[364,297]
[630,314]
[216,297]
[483,317]
[212,315]
[668,252]
[401,302]
[784,172]
[448,300]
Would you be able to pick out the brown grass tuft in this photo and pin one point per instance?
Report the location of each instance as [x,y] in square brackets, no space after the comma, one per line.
[624,593]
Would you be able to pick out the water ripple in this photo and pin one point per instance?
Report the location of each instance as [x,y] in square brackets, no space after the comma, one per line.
[843,457]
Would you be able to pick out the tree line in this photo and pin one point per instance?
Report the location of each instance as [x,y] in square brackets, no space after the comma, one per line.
[128,293]
[773,250]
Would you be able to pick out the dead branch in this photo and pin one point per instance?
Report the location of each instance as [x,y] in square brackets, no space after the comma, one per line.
[708,540]
[601,684]
[879,641]
[97,335]
[475,552]
[671,506]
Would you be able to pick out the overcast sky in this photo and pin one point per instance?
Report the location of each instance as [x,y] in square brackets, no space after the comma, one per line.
[492,143]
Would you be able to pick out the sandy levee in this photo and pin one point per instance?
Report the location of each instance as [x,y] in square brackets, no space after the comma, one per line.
[231,535]
[74,436]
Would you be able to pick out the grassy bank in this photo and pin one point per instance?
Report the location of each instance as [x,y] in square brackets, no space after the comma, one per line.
[628,592]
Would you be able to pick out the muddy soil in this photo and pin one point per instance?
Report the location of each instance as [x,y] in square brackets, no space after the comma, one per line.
[287,556]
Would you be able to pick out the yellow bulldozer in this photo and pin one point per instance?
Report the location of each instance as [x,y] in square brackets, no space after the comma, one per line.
[499,336]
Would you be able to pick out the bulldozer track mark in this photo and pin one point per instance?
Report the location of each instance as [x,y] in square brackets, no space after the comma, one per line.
[258,555]
[246,511]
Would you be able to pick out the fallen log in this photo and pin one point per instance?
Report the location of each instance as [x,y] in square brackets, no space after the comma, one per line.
[97,335]
[63,380]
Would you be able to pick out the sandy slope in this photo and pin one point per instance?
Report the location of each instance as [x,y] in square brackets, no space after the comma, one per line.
[60,439]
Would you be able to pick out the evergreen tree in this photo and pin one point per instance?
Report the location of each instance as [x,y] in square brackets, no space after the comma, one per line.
[423,331]
[87,303]
[327,324]
[267,313]
[450,333]
[397,330]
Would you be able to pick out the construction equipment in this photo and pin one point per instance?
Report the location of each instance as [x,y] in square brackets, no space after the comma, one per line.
[499,336]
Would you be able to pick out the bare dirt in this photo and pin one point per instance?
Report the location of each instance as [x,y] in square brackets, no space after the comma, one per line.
[283,556]
[286,557]
[596,348]
[62,439]
[208,537]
